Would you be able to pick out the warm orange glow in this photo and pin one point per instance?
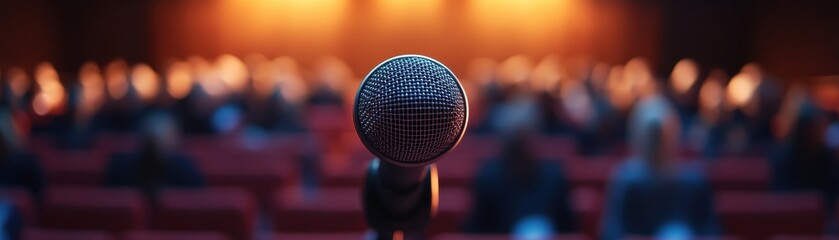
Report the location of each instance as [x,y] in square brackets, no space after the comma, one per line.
[232,71]
[291,84]
[145,81]
[332,73]
[533,22]
[255,23]
[741,89]
[710,99]
[637,75]
[546,74]
[684,75]
[116,76]
[265,78]
[515,70]
[619,91]
[206,77]
[179,80]
[577,102]
[19,81]
[93,89]
[435,189]
[481,71]
[786,116]
[51,95]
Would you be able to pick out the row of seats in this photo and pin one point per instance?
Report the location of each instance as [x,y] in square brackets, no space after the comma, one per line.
[233,211]
[40,234]
[264,171]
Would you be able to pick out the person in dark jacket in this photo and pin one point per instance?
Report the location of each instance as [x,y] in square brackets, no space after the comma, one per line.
[519,191]
[18,168]
[803,161]
[157,164]
[652,194]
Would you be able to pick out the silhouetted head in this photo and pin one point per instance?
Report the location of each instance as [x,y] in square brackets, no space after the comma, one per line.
[9,139]
[160,134]
[654,131]
[518,153]
[807,130]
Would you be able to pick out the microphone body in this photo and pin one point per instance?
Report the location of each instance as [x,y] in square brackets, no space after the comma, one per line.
[409,111]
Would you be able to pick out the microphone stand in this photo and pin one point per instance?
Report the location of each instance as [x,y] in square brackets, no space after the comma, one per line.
[402,206]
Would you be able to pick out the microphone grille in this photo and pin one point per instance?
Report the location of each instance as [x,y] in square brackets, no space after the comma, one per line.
[410,110]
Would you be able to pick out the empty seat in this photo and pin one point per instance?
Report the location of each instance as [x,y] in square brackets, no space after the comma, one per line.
[753,215]
[593,173]
[314,236]
[230,211]
[459,236]
[739,175]
[455,205]
[167,235]
[326,210]
[803,237]
[44,234]
[554,147]
[74,167]
[93,208]
[22,201]
[262,177]
[695,238]
[587,203]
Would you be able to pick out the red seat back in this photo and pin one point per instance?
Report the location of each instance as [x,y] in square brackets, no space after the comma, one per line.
[112,210]
[231,211]
[162,235]
[327,210]
[42,234]
[760,215]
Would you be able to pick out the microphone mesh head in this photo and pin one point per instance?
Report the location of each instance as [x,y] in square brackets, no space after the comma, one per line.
[410,110]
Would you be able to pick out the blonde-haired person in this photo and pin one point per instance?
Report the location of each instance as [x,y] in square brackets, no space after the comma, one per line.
[653,193]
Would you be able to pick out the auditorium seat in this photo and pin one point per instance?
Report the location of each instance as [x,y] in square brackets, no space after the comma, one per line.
[694,238]
[478,145]
[75,167]
[739,175]
[589,172]
[803,237]
[460,236]
[44,234]
[231,211]
[22,201]
[314,236]
[554,147]
[262,177]
[457,170]
[344,171]
[752,215]
[112,210]
[587,203]
[328,210]
[167,235]
[455,204]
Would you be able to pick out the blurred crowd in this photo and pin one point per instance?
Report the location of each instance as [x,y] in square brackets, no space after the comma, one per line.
[663,127]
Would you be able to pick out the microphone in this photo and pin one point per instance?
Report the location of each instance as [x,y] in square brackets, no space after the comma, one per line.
[409,111]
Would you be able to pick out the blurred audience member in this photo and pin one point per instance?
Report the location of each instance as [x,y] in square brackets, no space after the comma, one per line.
[707,133]
[804,161]
[157,164]
[11,223]
[684,80]
[652,194]
[519,192]
[82,119]
[330,77]
[18,168]
[278,95]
